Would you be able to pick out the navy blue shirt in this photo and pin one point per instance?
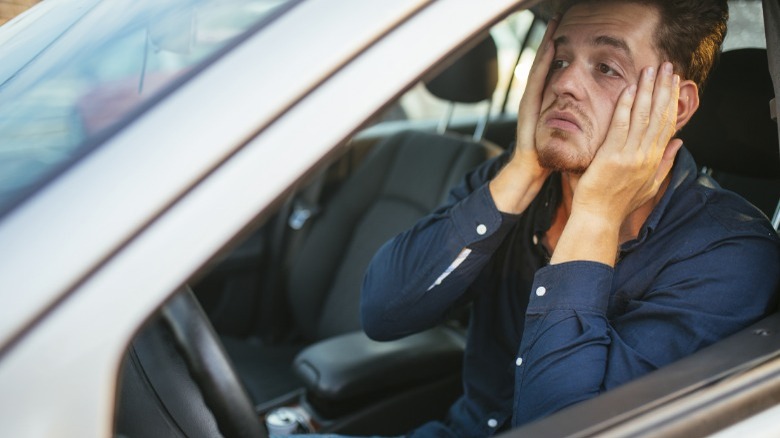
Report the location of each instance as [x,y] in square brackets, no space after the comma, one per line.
[542,337]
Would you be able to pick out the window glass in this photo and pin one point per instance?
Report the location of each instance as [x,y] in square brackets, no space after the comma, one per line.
[98,66]
[746,25]
[419,104]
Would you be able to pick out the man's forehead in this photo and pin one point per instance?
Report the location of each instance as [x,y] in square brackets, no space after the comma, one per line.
[613,9]
[626,26]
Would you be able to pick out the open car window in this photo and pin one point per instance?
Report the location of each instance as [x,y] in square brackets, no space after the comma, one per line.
[509,36]
[746,25]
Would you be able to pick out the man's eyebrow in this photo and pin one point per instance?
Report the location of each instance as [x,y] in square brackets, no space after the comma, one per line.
[618,43]
[561,40]
[602,40]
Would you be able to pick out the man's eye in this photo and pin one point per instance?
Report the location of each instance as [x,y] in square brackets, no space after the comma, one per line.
[606,70]
[558,64]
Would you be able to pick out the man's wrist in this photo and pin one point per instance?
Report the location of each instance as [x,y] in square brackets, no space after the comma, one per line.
[515,186]
[588,237]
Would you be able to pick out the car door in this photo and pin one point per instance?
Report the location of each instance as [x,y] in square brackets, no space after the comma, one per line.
[92,249]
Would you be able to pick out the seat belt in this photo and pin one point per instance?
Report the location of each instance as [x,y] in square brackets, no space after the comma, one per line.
[272,316]
[285,236]
[305,206]
[772,30]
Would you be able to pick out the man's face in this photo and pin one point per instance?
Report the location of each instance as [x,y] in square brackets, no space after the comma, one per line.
[600,49]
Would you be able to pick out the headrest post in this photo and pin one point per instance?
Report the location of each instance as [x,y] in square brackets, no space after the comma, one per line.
[444,123]
[479,130]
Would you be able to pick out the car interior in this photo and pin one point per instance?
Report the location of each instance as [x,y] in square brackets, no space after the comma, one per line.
[270,334]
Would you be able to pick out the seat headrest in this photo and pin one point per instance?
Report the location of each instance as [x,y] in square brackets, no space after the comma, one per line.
[469,79]
[732,131]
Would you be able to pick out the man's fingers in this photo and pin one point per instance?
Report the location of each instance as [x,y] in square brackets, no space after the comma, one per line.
[546,47]
[641,112]
[621,120]
[538,74]
[671,110]
[664,110]
[630,123]
[638,147]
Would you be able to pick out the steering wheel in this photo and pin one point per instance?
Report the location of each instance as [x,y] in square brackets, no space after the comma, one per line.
[210,366]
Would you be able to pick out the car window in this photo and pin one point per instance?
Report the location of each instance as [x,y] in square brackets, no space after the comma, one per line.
[746,25]
[104,61]
[420,104]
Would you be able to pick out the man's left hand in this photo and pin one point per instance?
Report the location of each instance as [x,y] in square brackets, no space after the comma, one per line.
[628,169]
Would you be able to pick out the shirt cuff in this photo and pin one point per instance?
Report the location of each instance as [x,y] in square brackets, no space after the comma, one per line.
[479,222]
[578,285]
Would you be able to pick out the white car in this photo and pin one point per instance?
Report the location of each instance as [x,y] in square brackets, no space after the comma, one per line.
[149,149]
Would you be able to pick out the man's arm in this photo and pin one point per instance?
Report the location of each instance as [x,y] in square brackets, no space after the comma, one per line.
[520,180]
[571,351]
[415,279]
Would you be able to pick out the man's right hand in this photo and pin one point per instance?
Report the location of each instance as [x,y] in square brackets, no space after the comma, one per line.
[518,183]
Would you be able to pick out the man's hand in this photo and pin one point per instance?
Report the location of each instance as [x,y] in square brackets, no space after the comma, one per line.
[628,169]
[638,151]
[521,179]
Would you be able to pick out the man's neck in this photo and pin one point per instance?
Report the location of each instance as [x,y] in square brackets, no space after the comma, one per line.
[628,230]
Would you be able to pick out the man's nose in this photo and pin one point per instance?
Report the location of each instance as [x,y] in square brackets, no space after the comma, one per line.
[568,81]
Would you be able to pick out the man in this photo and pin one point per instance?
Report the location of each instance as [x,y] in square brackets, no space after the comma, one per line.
[593,253]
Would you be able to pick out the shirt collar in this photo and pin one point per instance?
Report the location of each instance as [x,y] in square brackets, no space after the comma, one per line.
[546,204]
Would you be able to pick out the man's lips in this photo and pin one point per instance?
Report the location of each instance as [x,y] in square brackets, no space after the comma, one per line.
[562,120]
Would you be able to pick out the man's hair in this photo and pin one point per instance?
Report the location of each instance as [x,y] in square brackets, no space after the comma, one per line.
[689,33]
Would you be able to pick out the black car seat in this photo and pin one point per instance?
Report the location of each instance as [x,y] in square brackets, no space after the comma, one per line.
[403,178]
[732,135]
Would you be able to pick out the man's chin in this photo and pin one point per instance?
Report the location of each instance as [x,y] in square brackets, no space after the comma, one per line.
[557,166]
[558,155]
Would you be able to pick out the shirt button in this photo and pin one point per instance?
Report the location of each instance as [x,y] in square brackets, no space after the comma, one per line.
[492,422]
[540,291]
[535,240]
[519,361]
[481,229]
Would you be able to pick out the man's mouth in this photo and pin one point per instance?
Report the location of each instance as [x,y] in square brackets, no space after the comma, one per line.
[562,120]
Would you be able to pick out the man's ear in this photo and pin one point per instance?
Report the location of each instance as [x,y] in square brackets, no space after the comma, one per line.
[687,103]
